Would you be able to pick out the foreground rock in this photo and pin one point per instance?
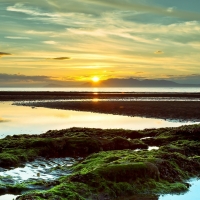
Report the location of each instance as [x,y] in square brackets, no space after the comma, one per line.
[111,167]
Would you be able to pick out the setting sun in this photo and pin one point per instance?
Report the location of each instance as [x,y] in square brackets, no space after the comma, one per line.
[95,79]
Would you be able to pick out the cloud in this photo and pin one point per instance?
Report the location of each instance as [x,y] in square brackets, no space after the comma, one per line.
[4,54]
[17,38]
[20,78]
[3,120]
[195,76]
[50,42]
[20,7]
[170,9]
[130,5]
[34,32]
[61,58]
[158,52]
[135,36]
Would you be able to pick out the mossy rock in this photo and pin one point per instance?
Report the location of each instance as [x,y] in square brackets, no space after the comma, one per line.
[110,167]
[128,172]
[7,159]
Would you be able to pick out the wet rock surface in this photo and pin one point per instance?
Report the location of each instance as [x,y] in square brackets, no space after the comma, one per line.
[40,174]
[73,142]
[42,169]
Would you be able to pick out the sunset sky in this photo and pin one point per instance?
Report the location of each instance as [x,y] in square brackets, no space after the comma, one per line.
[65,41]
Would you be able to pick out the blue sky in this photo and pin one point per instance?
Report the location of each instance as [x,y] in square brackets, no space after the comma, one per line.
[65,41]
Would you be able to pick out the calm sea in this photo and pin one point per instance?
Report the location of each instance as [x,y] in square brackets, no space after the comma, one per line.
[113,89]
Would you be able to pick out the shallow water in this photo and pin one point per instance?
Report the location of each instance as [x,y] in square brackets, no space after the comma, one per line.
[16,120]
[38,169]
[192,194]
[8,197]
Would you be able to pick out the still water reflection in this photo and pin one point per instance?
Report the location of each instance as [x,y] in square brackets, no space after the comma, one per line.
[193,193]
[27,120]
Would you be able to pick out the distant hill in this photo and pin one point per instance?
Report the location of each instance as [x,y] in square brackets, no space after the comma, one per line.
[54,85]
[115,82]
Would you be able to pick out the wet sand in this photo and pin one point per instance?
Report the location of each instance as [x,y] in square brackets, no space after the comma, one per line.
[171,110]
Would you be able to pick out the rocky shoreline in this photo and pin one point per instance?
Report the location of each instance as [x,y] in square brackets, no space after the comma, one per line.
[115,162]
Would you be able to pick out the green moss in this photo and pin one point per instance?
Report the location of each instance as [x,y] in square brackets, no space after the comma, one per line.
[120,172]
[74,191]
[110,167]
[7,159]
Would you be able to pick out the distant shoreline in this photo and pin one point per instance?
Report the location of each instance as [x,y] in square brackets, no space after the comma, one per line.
[41,95]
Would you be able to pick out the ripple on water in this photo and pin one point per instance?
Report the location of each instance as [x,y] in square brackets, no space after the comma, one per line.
[41,168]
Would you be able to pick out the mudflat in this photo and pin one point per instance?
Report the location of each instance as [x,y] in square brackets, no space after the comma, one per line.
[173,106]
[169,110]
[173,110]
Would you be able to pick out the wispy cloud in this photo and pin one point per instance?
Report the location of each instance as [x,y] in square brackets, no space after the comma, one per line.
[23,80]
[50,42]
[62,58]
[59,58]
[19,77]
[20,7]
[4,54]
[159,52]
[170,9]
[3,120]
[35,32]
[141,7]
[17,38]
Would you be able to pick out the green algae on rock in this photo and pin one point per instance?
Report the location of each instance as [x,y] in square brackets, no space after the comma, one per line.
[111,167]
[68,142]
